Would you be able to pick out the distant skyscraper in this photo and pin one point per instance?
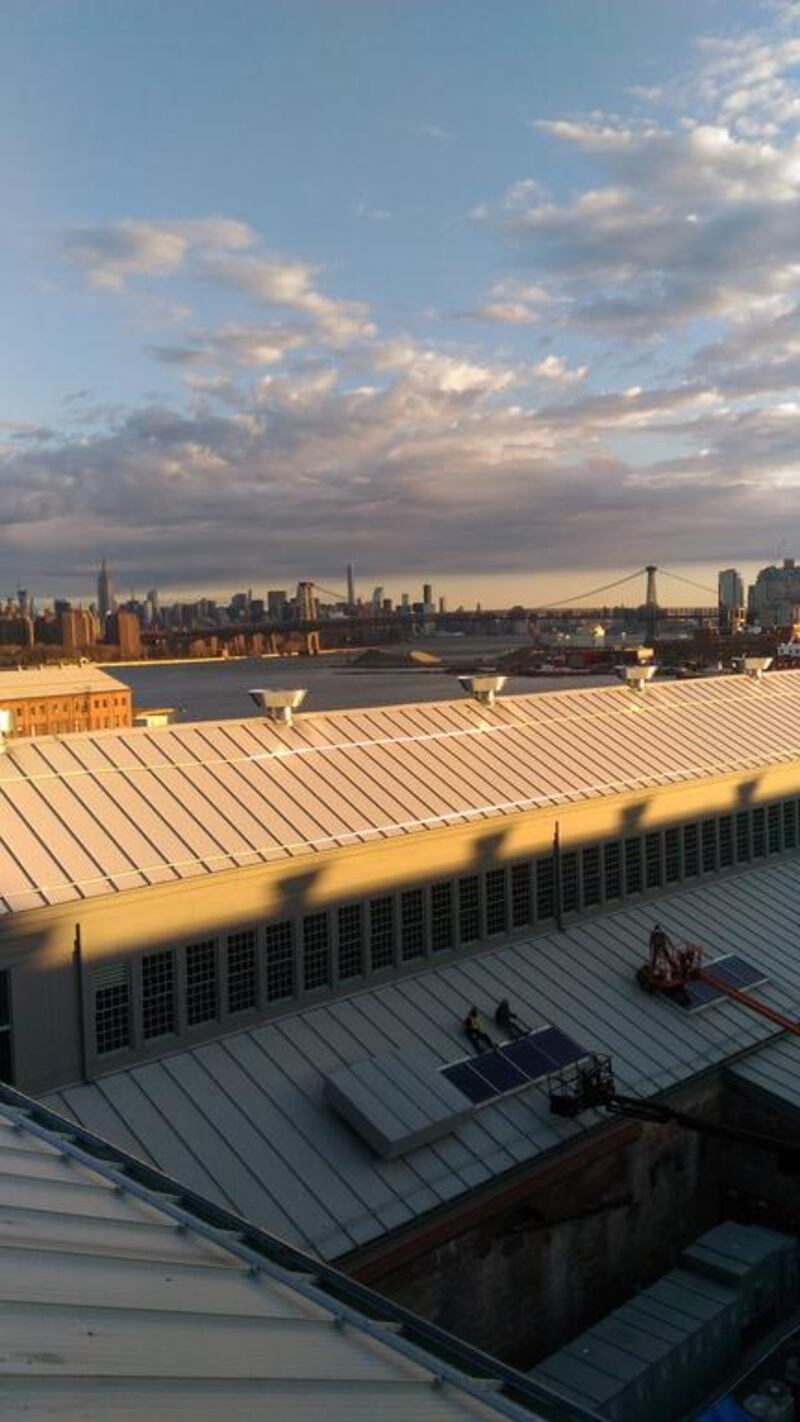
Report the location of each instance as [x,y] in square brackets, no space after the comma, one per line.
[277,599]
[105,593]
[731,588]
[126,633]
[427,594]
[351,586]
[730,592]
[774,599]
[377,599]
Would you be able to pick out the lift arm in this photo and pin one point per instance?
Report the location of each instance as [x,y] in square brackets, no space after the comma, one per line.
[634,1108]
[785,1023]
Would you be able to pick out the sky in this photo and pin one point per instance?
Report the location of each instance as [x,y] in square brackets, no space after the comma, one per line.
[502,297]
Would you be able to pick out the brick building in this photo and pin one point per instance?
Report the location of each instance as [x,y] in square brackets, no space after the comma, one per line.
[54,700]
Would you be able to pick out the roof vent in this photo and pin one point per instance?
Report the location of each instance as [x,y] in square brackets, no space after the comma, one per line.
[482,688]
[756,666]
[6,727]
[278,705]
[637,677]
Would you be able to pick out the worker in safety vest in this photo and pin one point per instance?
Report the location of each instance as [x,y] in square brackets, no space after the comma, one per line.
[473,1027]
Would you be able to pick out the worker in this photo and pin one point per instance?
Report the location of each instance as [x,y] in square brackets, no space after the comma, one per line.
[660,958]
[690,960]
[473,1027]
[508,1021]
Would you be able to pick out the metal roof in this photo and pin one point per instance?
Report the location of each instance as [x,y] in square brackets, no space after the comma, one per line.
[118,1298]
[98,813]
[773,1071]
[245,1118]
[24,683]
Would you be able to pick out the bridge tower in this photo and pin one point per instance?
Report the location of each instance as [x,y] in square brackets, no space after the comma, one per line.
[651,606]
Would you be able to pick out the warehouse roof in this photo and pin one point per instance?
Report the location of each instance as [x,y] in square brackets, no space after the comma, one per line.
[98,813]
[25,683]
[247,1119]
[117,1298]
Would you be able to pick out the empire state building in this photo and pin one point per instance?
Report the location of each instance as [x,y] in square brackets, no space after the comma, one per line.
[105,593]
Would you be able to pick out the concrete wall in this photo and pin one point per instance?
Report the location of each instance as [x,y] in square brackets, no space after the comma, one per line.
[563,1245]
[761,1187]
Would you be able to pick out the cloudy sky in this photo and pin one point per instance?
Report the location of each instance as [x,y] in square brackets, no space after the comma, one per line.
[503,296]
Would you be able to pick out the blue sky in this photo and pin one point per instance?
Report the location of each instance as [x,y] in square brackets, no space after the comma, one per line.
[496,295]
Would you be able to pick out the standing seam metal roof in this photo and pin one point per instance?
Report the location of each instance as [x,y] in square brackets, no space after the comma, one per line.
[92,814]
[116,1298]
[244,1118]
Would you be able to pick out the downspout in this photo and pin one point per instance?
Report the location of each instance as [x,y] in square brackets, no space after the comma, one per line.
[77,958]
[557,878]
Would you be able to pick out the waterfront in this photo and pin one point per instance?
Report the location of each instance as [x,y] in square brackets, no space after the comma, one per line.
[218,690]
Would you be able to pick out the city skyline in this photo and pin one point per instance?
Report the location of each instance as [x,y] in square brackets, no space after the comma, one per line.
[700,587]
[501,298]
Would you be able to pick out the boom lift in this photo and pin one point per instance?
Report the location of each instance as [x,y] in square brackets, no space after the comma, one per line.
[672,967]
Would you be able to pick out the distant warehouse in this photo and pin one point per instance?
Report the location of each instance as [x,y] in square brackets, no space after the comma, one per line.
[53,700]
[222,872]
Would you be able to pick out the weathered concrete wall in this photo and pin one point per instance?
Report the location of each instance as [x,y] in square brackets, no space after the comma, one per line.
[761,1186]
[580,1239]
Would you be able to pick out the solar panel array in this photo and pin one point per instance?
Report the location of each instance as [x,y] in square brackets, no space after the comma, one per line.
[495,1073]
[732,970]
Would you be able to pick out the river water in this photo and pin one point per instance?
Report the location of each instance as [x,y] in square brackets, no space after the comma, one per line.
[218,690]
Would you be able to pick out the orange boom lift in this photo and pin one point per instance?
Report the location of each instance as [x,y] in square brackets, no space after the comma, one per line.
[672,967]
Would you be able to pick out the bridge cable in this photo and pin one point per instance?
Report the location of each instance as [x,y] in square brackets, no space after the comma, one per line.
[593,592]
[690,582]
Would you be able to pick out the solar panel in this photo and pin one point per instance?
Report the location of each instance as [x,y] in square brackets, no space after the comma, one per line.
[474,1086]
[732,970]
[700,995]
[497,1069]
[737,971]
[528,1058]
[559,1047]
[514,1065]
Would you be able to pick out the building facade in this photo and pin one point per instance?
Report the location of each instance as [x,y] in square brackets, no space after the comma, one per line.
[774,597]
[61,700]
[227,873]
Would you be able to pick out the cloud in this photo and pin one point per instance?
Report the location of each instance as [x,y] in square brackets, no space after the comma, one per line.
[556,368]
[373,214]
[433,130]
[693,214]
[110,256]
[290,285]
[512,303]
[439,460]
[663,419]
[247,346]
[211,249]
